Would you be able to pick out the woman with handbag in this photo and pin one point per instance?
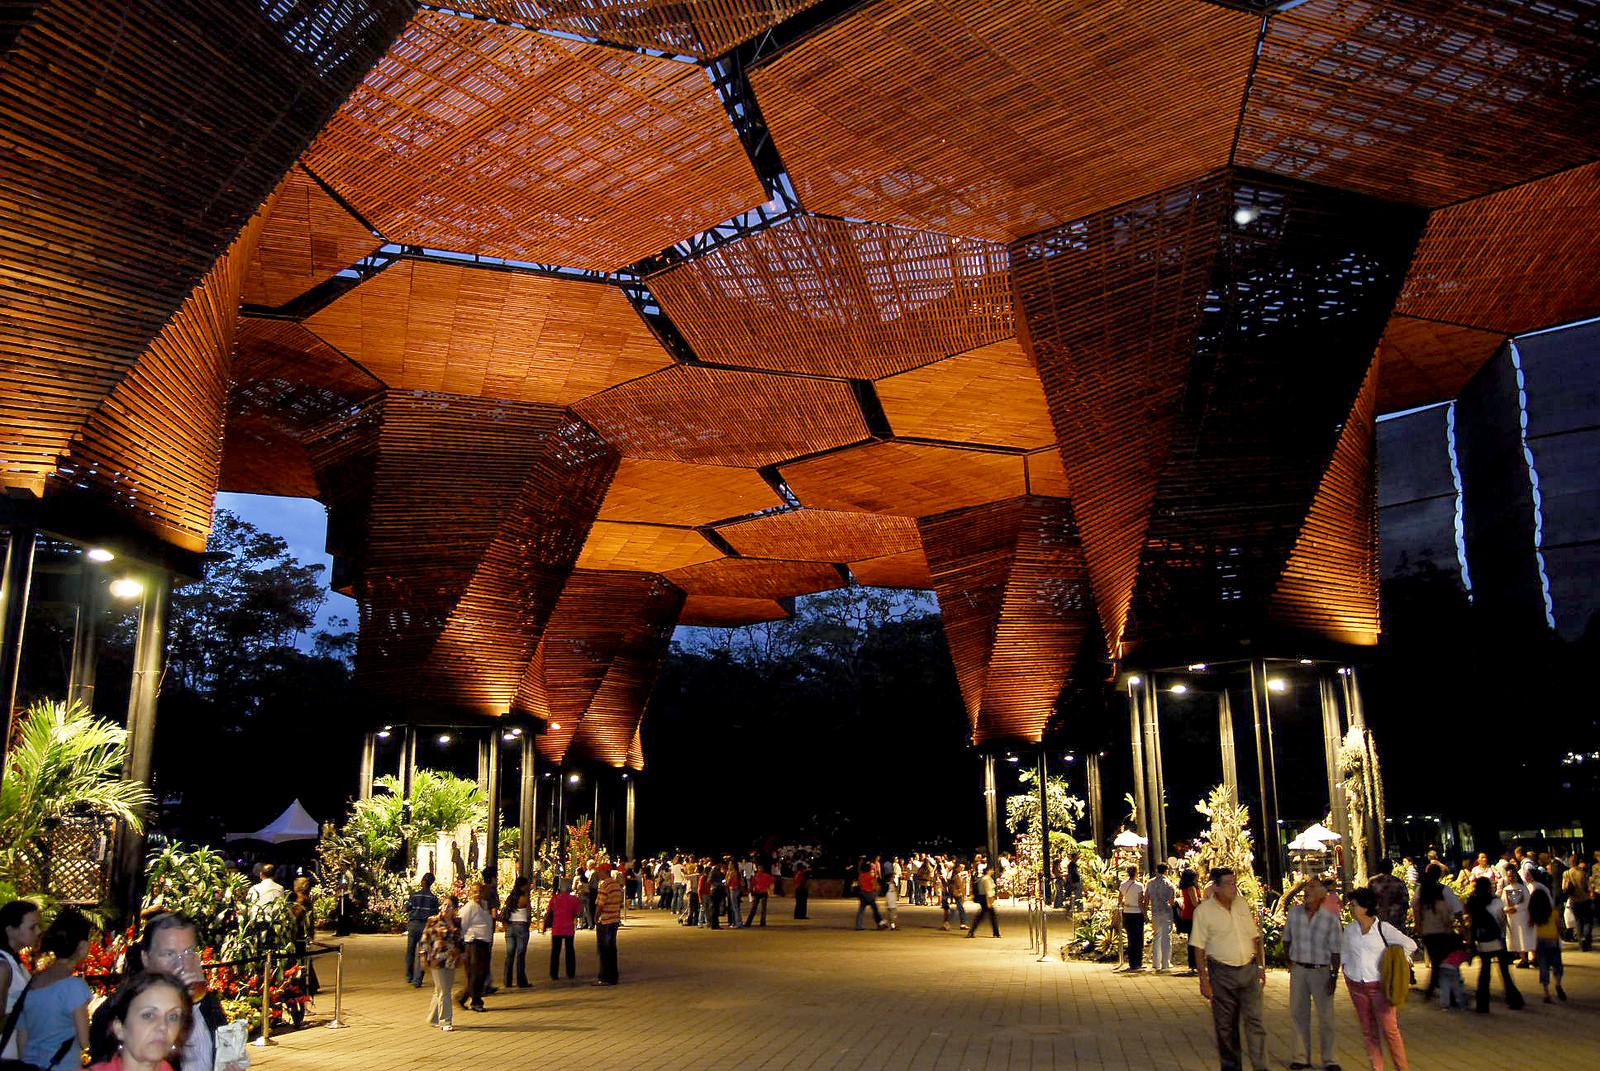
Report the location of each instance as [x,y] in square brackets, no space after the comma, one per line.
[1362,956]
[52,1015]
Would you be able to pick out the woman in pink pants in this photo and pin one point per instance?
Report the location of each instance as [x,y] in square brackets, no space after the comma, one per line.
[1362,951]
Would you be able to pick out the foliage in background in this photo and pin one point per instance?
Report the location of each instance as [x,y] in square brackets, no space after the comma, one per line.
[1363,793]
[63,760]
[1022,819]
[1226,842]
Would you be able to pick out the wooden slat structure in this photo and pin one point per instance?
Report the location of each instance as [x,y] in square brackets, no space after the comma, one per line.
[756,578]
[908,569]
[702,28]
[493,334]
[725,611]
[140,138]
[673,493]
[1423,101]
[989,395]
[1000,120]
[839,297]
[307,239]
[647,548]
[822,536]
[1424,361]
[908,479]
[482,137]
[1014,594]
[597,661]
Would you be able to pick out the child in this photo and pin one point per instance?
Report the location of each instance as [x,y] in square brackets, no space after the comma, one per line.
[1452,994]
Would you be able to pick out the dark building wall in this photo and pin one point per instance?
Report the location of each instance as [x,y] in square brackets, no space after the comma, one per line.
[1416,494]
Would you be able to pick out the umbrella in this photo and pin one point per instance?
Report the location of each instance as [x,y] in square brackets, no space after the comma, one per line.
[1318,831]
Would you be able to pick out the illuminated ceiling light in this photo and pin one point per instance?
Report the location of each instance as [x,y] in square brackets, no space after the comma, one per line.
[624,776]
[1070,758]
[555,725]
[1180,689]
[573,779]
[1198,667]
[444,738]
[516,732]
[383,734]
[1012,758]
[1278,684]
[1135,680]
[126,587]
[1246,216]
[100,554]
[508,737]
[1305,661]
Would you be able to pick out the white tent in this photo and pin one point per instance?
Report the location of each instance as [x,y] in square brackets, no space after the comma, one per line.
[1314,839]
[293,824]
[1129,839]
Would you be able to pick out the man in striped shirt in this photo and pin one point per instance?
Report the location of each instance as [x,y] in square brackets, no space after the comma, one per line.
[608,917]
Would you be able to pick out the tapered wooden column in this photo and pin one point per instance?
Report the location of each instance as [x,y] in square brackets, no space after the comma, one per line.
[527,807]
[1261,715]
[991,808]
[1155,786]
[1228,746]
[149,655]
[1097,818]
[629,787]
[15,584]
[1332,736]
[86,635]
[369,760]
[1141,800]
[491,867]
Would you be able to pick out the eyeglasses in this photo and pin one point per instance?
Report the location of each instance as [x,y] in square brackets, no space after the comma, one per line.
[180,954]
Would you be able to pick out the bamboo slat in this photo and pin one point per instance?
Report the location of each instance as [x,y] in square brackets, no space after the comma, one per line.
[1017,611]
[308,237]
[139,138]
[839,297]
[908,479]
[724,611]
[1422,361]
[1330,584]
[487,138]
[711,417]
[819,535]
[1513,261]
[989,395]
[702,28]
[672,493]
[756,578]
[1000,120]
[495,334]
[906,570]
[1426,101]
[1047,474]
[648,548]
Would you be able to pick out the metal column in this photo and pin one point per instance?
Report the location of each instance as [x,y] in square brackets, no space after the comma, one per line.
[1261,714]
[369,761]
[1155,785]
[491,867]
[991,806]
[1332,736]
[149,655]
[15,581]
[527,808]
[1141,806]
[1227,744]
[628,812]
[86,635]
[1044,857]
[1097,818]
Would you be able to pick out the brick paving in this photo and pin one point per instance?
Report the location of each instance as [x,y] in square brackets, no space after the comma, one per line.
[818,994]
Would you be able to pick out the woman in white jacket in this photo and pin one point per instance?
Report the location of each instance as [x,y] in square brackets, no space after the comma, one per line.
[1361,957]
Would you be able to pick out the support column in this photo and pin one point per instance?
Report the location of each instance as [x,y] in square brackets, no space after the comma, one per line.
[149,654]
[1229,748]
[485,748]
[1332,737]
[596,834]
[491,869]
[369,761]
[1141,806]
[15,582]
[1155,788]
[1044,857]
[991,806]
[628,812]
[527,808]
[86,635]
[408,777]
[1097,818]
[561,811]
[1261,714]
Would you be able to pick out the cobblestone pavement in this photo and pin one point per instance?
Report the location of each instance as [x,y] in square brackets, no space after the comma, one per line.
[818,994]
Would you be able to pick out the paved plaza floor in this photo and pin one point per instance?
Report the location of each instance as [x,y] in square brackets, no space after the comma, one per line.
[818,994]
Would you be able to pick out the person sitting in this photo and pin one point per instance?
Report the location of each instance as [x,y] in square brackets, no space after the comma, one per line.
[142,1025]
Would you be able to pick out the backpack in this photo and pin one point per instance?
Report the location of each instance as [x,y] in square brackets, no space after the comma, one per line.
[1540,907]
[1394,971]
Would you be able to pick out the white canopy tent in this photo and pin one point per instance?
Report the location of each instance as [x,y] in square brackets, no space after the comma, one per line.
[295,823]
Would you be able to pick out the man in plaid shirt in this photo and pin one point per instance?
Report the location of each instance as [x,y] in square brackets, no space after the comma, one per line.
[607,918]
[1312,936]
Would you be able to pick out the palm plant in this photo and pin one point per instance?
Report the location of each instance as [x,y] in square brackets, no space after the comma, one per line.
[64,760]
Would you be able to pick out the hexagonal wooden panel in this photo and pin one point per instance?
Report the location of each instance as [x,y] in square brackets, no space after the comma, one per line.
[420,325]
[648,548]
[906,570]
[1423,361]
[671,492]
[990,395]
[727,611]
[756,578]
[307,238]
[822,535]
[908,479]
[1047,474]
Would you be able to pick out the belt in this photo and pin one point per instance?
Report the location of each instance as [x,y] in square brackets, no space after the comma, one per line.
[1310,966]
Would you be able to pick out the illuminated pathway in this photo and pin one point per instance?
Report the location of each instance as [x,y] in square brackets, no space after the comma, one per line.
[820,995]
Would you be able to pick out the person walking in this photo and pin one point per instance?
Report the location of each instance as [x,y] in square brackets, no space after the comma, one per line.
[957,886]
[1546,939]
[421,906]
[440,950]
[477,929]
[735,892]
[760,889]
[1436,910]
[1232,965]
[983,892]
[1131,896]
[1519,930]
[1312,938]
[1188,900]
[802,888]
[561,921]
[1487,934]
[607,919]
[1160,896]
[518,917]
[1575,880]
[891,893]
[867,895]
[1361,956]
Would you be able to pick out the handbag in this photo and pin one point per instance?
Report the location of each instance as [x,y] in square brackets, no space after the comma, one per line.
[11,1026]
[1394,972]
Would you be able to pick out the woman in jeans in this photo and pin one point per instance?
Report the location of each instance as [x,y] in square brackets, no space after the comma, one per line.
[1487,915]
[441,951]
[1188,900]
[1360,957]
[518,916]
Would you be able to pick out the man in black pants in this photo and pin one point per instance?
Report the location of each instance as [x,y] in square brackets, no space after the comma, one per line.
[802,889]
[983,892]
[760,888]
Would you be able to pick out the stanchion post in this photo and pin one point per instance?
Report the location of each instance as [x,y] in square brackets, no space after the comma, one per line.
[266,1004]
[338,991]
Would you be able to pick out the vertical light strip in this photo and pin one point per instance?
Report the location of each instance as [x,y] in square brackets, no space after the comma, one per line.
[1533,483]
[1455,478]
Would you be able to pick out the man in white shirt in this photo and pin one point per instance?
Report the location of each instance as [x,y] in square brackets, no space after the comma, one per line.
[1233,970]
[477,930]
[267,891]
[1134,903]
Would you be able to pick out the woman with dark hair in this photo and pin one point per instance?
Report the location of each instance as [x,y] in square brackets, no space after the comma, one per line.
[518,917]
[1487,915]
[1436,909]
[1188,900]
[19,931]
[1361,957]
[52,1019]
[143,1027]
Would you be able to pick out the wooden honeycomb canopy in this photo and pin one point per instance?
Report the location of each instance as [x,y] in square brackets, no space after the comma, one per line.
[839,297]
[1513,261]
[1425,101]
[672,493]
[703,28]
[308,238]
[650,548]
[1014,597]
[1330,584]
[990,395]
[1047,474]
[154,446]
[756,578]
[819,535]
[707,416]
[139,139]
[485,138]
[724,611]
[597,660]
[906,570]
[286,383]
[421,325]
[999,120]
[1423,361]
[908,479]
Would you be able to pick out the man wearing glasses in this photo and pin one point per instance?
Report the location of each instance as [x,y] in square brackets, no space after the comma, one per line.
[171,946]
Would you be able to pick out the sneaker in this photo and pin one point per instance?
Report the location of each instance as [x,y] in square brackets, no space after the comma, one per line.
[945,927]
[1561,994]
[447,1027]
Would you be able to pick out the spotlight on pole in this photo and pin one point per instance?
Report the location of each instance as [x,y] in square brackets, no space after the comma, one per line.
[126,587]
[100,554]
[572,779]
[383,734]
[1278,684]
[1135,680]
[1198,667]
[444,738]
[1180,689]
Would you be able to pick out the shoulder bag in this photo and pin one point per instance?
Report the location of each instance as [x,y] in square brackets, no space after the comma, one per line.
[1394,971]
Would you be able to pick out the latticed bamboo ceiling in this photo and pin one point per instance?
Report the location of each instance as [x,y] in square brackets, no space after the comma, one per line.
[822,535]
[990,395]
[486,138]
[905,570]
[648,548]
[495,334]
[307,238]
[1423,361]
[673,493]
[756,578]
[908,479]
[703,28]
[725,611]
